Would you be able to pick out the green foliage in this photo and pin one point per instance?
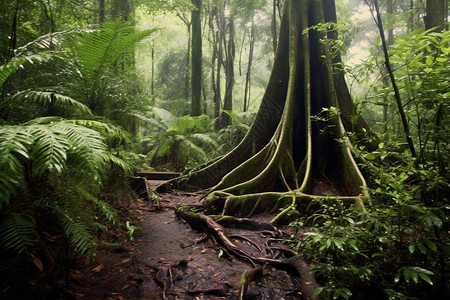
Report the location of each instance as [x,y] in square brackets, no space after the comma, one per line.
[420,61]
[185,143]
[47,99]
[397,249]
[100,49]
[35,157]
[17,231]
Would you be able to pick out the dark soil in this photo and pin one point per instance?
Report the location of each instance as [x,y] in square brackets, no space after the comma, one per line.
[169,260]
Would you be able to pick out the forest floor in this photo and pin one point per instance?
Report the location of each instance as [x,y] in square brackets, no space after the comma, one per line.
[169,260]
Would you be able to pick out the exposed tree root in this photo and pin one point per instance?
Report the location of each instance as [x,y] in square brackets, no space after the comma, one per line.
[201,222]
[309,284]
[247,205]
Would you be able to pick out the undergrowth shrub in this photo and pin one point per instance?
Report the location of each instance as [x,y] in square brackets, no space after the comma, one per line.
[397,249]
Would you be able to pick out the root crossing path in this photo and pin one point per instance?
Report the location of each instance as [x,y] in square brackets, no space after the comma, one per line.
[179,253]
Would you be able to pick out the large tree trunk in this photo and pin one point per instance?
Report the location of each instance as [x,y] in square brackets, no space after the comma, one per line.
[286,152]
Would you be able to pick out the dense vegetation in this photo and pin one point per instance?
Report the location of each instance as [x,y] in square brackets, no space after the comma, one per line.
[93,90]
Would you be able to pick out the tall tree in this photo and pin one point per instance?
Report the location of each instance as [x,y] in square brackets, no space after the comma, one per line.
[285,154]
[229,52]
[436,14]
[196,77]
[216,59]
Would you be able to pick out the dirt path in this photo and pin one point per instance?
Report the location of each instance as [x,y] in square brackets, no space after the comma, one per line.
[169,260]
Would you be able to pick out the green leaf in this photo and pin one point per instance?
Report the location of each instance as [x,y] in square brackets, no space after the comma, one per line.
[317,291]
[430,244]
[426,278]
[243,278]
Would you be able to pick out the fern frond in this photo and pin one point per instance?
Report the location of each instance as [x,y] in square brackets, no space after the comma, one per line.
[102,48]
[108,131]
[79,233]
[49,150]
[205,140]
[104,208]
[15,143]
[149,121]
[9,68]
[126,167]
[47,98]
[17,231]
[190,149]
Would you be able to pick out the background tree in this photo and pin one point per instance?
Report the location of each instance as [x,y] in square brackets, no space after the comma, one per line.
[196,78]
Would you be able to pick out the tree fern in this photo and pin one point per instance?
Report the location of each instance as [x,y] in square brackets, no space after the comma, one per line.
[16,231]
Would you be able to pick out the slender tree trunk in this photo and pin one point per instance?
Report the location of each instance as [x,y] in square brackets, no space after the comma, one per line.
[196,81]
[390,41]
[230,51]
[392,78]
[215,59]
[152,83]
[274,25]
[101,11]
[249,67]
[13,35]
[188,65]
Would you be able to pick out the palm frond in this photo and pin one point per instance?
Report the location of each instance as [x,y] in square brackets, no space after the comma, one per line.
[47,98]
[17,231]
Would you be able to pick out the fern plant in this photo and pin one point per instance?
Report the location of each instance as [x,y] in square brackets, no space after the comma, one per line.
[52,168]
[34,159]
[180,143]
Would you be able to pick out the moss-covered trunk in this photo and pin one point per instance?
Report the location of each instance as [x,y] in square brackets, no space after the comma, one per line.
[297,138]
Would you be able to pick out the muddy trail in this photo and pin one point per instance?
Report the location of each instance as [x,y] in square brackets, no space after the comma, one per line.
[170,258]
